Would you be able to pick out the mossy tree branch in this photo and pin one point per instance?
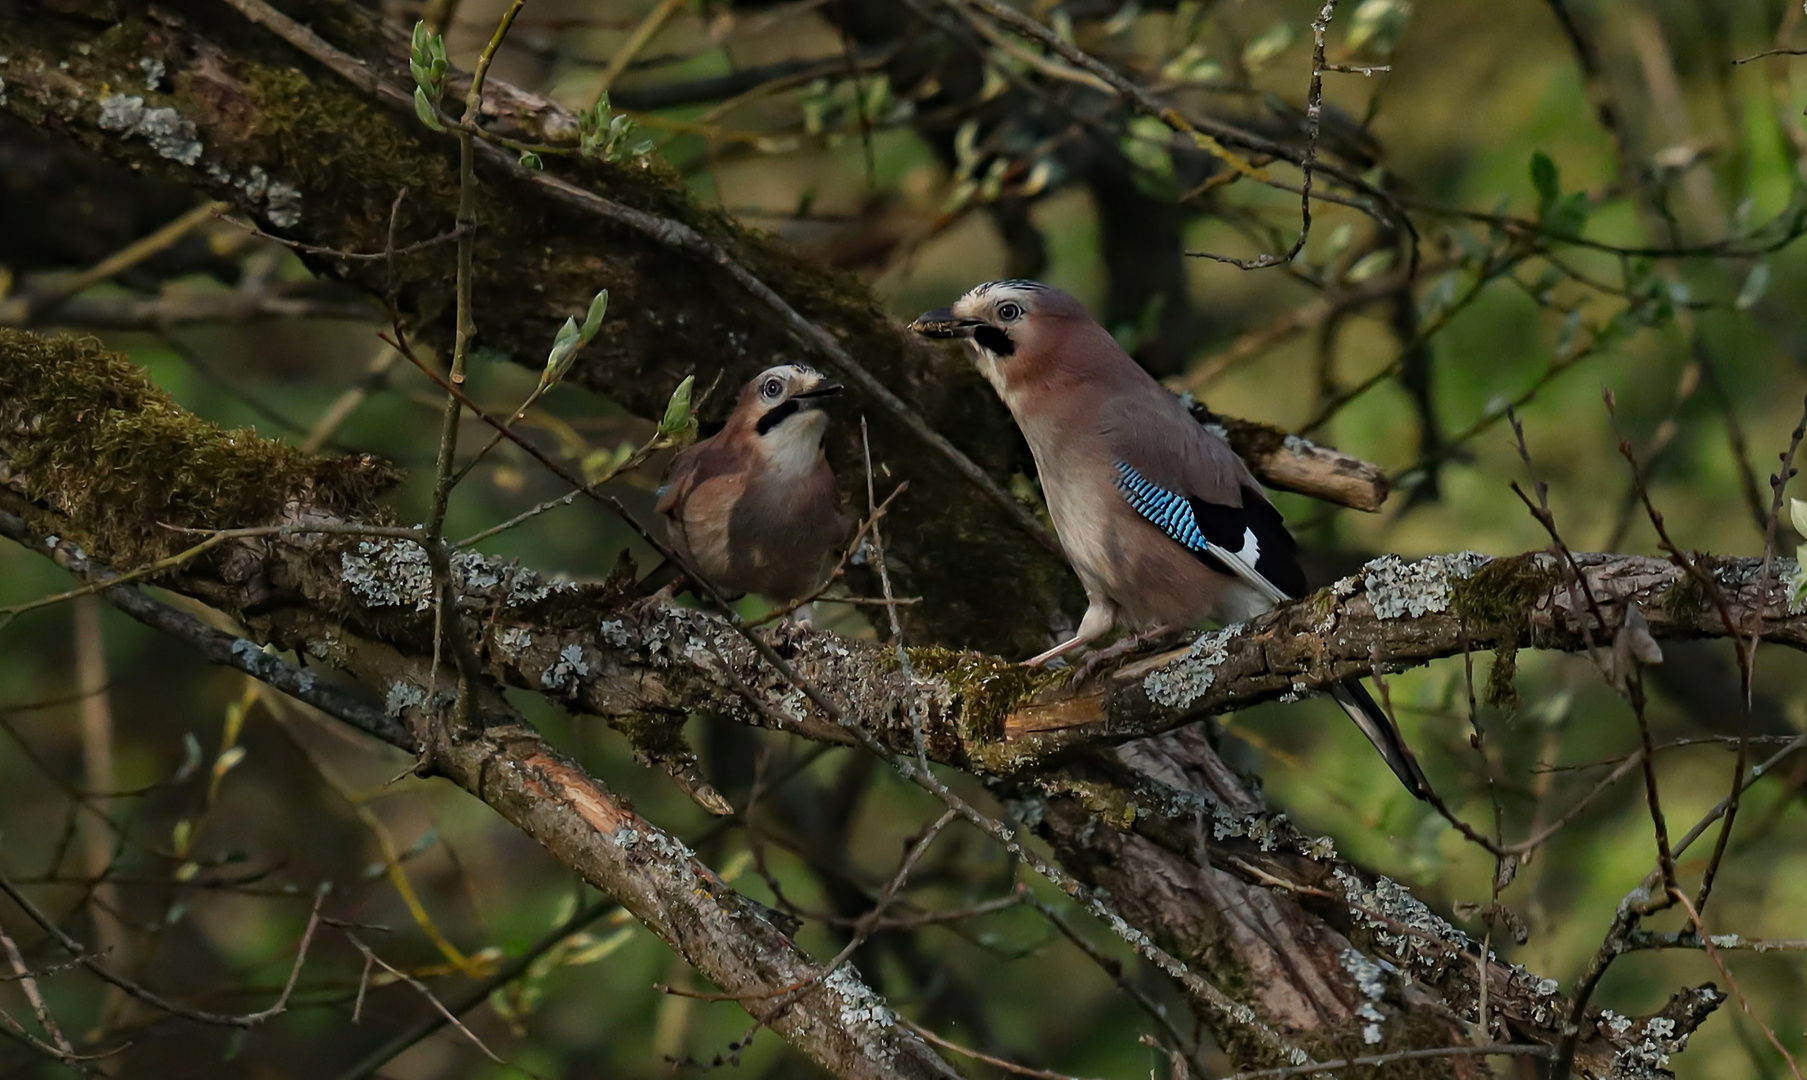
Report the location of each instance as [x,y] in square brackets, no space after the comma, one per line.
[842,1025]
[1188,851]
[245,118]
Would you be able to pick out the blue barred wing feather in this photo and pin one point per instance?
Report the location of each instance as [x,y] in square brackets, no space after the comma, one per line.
[1253,532]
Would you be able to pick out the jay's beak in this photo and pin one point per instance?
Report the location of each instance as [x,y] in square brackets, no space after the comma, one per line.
[820,390]
[943,323]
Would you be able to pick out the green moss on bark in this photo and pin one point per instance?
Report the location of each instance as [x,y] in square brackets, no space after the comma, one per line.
[986,689]
[84,434]
[1503,592]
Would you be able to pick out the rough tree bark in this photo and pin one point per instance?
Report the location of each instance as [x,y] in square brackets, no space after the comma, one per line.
[1181,844]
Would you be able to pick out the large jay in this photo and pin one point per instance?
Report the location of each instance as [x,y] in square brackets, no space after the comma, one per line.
[1163,523]
[754,508]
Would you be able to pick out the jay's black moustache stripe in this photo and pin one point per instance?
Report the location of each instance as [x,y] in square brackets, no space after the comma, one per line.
[995,340]
[779,414]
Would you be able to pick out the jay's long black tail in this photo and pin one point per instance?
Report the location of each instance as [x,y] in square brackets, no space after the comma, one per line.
[1381,731]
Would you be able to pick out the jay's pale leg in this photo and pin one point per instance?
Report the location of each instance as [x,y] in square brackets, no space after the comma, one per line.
[1097,622]
[1127,645]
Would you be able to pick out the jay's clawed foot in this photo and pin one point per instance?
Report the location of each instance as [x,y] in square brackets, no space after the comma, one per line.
[1099,657]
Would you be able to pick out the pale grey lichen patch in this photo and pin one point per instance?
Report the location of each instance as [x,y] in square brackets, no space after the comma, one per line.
[1186,679]
[862,1012]
[794,703]
[397,573]
[1385,907]
[1369,974]
[512,641]
[1788,572]
[169,133]
[2,89]
[389,573]
[565,672]
[153,72]
[403,695]
[281,201]
[615,632]
[1648,1057]
[1026,812]
[1397,588]
[282,204]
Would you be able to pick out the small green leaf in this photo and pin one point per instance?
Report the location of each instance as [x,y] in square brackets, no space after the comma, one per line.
[1340,239]
[1755,285]
[599,306]
[1275,40]
[564,351]
[1547,180]
[1565,341]
[191,758]
[531,160]
[1741,216]
[1377,26]
[418,43]
[423,108]
[1439,296]
[1369,265]
[590,952]
[1568,216]
[678,415]
[966,148]
[228,760]
[1797,515]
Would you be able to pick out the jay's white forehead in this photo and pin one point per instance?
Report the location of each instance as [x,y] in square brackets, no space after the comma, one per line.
[792,371]
[1007,285]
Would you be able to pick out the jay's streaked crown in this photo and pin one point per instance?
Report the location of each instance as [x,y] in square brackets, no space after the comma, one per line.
[995,316]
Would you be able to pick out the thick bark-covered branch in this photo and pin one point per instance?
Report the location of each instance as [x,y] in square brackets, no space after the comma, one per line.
[839,1023]
[1185,849]
[244,117]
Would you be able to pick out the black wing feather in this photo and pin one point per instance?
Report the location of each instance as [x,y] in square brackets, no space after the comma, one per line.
[1200,526]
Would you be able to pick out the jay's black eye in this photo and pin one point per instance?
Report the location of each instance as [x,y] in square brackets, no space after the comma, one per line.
[772,388]
[1009,312]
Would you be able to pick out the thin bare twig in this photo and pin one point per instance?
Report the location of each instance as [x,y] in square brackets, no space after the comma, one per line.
[153,999]
[433,999]
[676,236]
[1732,981]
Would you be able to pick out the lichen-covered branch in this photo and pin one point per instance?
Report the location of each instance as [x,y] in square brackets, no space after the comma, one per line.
[1188,853]
[842,1024]
[239,114]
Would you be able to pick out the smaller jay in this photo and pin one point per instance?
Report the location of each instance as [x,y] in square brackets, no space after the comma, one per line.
[1163,523]
[754,507]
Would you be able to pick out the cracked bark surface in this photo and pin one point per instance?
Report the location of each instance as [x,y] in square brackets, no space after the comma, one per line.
[1130,799]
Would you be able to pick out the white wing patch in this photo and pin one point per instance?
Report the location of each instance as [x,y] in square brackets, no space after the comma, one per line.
[1250,551]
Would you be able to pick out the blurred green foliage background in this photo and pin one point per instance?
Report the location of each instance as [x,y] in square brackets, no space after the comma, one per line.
[211,870]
